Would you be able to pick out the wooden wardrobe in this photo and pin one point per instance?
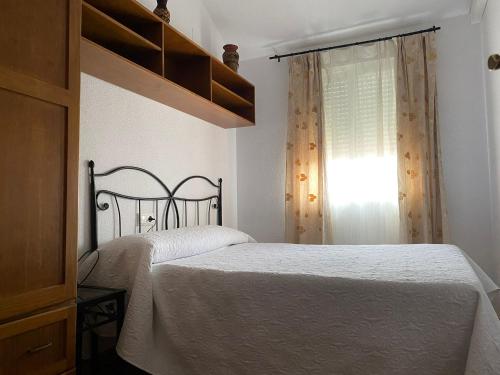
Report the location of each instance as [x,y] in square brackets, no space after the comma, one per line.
[39,129]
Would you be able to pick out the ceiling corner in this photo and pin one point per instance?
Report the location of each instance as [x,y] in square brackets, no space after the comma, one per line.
[477,10]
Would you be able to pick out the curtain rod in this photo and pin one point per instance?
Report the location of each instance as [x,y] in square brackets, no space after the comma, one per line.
[279,57]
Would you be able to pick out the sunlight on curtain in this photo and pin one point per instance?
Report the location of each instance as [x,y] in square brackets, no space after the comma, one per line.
[360,144]
[304,154]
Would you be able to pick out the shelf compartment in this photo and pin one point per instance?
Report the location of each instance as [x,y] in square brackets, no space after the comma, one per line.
[234,103]
[225,76]
[186,64]
[134,15]
[248,113]
[226,98]
[190,72]
[113,68]
[107,32]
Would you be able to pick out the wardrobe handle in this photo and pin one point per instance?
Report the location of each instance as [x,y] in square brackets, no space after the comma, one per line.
[39,348]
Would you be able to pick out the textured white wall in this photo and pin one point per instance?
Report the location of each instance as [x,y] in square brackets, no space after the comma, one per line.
[464,139]
[261,150]
[118,127]
[491,44]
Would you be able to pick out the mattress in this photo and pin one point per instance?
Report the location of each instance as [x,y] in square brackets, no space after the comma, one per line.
[252,308]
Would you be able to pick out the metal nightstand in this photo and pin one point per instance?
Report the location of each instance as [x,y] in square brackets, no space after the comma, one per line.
[97,306]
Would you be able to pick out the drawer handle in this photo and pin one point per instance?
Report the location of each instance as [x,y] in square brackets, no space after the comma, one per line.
[39,348]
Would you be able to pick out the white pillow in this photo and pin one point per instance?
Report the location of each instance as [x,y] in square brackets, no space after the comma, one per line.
[120,259]
[185,242]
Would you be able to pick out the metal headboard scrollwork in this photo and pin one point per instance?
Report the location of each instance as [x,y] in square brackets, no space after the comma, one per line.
[171,202]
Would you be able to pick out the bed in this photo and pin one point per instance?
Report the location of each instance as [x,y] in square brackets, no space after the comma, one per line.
[207,299]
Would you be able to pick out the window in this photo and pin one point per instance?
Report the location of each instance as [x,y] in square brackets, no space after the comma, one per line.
[360,141]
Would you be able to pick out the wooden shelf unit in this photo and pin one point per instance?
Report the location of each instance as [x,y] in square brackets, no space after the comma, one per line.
[122,38]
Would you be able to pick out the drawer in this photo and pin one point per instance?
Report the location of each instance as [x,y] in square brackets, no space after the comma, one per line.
[43,344]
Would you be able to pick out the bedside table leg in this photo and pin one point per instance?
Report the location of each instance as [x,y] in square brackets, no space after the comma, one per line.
[120,312]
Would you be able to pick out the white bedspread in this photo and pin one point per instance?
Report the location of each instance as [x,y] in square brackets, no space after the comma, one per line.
[272,309]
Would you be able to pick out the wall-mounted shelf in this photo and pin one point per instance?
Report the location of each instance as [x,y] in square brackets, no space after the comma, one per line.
[127,45]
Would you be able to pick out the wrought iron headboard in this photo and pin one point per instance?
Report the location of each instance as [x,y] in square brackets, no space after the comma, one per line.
[172,202]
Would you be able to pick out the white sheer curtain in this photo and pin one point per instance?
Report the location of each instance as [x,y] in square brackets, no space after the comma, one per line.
[359,93]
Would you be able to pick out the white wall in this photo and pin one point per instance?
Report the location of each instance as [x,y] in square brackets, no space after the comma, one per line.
[118,127]
[261,150]
[261,153]
[491,44]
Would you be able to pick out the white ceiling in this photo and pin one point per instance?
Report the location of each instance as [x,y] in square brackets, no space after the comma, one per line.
[263,27]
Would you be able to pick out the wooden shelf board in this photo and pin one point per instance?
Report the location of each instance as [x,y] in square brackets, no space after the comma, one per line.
[111,67]
[100,28]
[129,9]
[227,98]
[176,43]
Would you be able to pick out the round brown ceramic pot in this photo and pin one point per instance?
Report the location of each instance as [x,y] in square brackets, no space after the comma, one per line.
[494,62]
[231,56]
[162,11]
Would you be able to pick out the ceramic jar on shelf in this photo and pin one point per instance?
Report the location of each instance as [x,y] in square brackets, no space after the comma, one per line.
[162,11]
[231,56]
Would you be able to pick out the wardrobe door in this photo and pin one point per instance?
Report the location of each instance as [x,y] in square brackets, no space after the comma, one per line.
[39,116]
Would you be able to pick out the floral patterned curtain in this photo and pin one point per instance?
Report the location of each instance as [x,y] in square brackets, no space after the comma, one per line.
[304,169]
[421,196]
